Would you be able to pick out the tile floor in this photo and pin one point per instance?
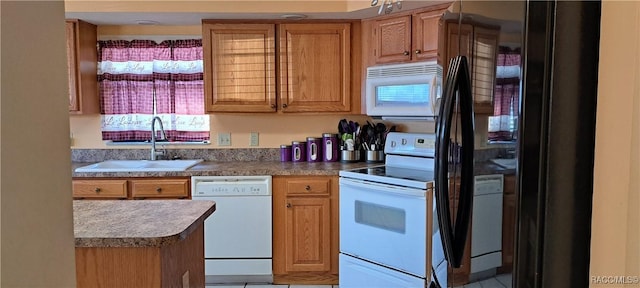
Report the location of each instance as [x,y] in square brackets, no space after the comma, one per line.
[499,281]
[269,286]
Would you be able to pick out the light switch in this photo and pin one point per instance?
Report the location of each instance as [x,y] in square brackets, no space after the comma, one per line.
[253,139]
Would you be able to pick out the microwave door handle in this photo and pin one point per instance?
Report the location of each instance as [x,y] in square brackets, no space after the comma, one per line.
[443,141]
[435,96]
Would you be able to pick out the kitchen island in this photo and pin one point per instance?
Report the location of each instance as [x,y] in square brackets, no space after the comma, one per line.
[146,243]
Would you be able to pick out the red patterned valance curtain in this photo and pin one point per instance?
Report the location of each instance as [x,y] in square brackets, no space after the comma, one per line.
[141,79]
[503,123]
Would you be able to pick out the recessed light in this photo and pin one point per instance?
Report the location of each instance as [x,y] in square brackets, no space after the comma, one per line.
[293,16]
[147,22]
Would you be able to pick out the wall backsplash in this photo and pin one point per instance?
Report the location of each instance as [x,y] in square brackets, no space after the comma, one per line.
[274,129]
[219,155]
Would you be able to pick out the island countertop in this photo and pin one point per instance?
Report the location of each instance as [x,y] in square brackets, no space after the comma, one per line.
[140,223]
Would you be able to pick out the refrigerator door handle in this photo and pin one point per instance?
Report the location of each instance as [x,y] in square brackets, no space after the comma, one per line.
[454,234]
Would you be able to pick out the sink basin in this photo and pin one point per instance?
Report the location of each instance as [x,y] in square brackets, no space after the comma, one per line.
[139,166]
[506,163]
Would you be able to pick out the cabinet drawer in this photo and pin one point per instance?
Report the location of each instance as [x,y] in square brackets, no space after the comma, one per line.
[100,188]
[308,186]
[153,188]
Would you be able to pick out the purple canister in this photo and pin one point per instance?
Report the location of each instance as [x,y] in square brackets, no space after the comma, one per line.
[298,151]
[314,149]
[285,153]
[330,147]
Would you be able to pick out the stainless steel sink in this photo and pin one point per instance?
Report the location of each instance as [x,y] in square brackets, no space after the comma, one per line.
[139,166]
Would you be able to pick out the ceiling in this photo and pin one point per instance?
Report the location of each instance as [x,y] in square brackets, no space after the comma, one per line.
[120,12]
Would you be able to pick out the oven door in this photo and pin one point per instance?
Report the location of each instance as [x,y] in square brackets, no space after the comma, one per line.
[386,224]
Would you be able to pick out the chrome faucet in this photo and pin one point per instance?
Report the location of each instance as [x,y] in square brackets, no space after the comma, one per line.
[155,153]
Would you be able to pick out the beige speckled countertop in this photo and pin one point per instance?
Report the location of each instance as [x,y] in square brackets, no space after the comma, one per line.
[249,168]
[140,223]
[240,168]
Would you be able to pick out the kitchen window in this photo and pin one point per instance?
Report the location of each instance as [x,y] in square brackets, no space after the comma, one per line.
[503,123]
[140,79]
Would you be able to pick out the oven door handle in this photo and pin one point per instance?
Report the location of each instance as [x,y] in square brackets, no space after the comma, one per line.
[454,231]
[383,188]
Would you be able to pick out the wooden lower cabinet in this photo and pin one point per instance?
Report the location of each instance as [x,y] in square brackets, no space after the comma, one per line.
[159,188]
[105,189]
[305,229]
[508,223]
[175,265]
[459,276]
[132,188]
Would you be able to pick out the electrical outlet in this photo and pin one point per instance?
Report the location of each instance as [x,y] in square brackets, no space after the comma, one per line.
[224,139]
[253,139]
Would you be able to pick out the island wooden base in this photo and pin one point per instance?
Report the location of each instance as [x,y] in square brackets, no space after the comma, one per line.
[180,264]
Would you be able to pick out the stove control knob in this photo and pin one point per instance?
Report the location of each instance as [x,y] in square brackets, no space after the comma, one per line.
[404,141]
[393,143]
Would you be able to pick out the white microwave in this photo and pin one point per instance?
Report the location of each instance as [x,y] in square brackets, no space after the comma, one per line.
[401,90]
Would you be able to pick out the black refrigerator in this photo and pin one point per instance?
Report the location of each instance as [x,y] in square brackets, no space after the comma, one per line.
[552,122]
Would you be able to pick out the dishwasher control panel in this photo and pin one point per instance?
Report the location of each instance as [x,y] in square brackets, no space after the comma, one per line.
[230,186]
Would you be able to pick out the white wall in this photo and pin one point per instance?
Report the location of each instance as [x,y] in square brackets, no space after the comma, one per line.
[36,208]
[615,248]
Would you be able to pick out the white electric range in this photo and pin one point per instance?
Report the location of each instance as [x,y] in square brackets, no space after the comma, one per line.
[389,235]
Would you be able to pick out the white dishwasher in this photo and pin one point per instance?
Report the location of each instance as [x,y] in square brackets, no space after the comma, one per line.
[237,237]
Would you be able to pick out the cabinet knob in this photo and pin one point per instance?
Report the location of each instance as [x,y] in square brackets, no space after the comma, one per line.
[284,105]
[158,189]
[288,205]
[307,188]
[273,106]
[97,190]
[406,53]
[418,51]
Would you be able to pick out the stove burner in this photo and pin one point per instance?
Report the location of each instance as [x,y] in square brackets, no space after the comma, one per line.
[400,173]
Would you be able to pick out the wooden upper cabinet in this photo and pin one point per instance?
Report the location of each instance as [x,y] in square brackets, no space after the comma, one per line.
[427,28]
[82,64]
[315,67]
[239,67]
[480,45]
[392,39]
[406,37]
[483,81]
[458,36]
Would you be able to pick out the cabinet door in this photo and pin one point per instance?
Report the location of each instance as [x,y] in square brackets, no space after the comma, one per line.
[71,66]
[426,31]
[308,234]
[160,188]
[508,223]
[82,64]
[459,276]
[392,40]
[305,229]
[508,231]
[465,32]
[102,189]
[315,67]
[485,54]
[239,62]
